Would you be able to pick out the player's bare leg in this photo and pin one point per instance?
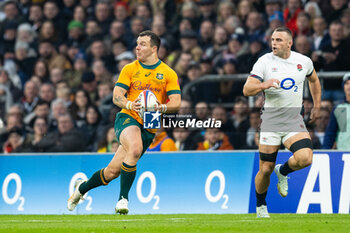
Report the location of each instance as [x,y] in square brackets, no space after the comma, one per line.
[262,178]
[300,144]
[131,141]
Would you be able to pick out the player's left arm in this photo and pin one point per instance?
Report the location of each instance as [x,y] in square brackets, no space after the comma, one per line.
[174,94]
[173,104]
[315,89]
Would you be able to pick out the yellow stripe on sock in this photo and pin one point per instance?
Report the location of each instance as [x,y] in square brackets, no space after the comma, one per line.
[128,169]
[101,176]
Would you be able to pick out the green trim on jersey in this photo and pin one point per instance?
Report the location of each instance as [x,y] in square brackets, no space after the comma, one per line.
[122,85]
[151,67]
[173,92]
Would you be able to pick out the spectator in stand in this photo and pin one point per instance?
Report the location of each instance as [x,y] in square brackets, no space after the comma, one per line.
[302,45]
[207,10]
[36,16]
[254,124]
[313,10]
[13,119]
[98,51]
[233,25]
[103,16]
[8,40]
[244,7]
[47,92]
[105,95]
[320,36]
[321,124]
[254,25]
[225,10]
[100,71]
[58,108]
[93,32]
[337,134]
[162,142]
[247,60]
[290,14]
[91,126]
[14,141]
[41,70]
[328,104]
[199,92]
[88,6]
[215,139]
[79,13]
[334,57]
[240,119]
[49,32]
[235,48]
[206,34]
[26,33]
[219,43]
[48,52]
[183,139]
[42,109]
[335,11]
[40,129]
[73,77]
[12,14]
[89,84]
[271,6]
[52,13]
[345,19]
[303,24]
[143,11]
[121,14]
[219,113]
[30,96]
[75,34]
[185,107]
[107,142]
[79,107]
[201,111]
[65,139]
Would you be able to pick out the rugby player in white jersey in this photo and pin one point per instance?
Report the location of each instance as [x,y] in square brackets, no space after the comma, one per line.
[280,75]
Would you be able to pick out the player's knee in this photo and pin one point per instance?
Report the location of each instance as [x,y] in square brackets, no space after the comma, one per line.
[136,151]
[305,160]
[111,173]
[266,169]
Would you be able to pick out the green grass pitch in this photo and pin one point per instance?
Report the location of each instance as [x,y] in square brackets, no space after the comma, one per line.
[278,223]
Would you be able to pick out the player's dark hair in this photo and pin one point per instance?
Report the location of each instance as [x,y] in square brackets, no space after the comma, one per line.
[155,40]
[284,29]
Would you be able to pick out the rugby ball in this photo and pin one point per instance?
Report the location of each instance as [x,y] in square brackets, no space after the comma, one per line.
[148,102]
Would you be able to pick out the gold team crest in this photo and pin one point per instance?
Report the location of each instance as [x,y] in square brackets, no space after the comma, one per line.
[159,76]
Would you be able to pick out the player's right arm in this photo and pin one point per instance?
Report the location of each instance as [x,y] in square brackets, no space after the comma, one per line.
[121,88]
[254,85]
[121,101]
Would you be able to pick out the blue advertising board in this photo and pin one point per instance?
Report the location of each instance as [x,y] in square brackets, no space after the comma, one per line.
[216,182]
[193,182]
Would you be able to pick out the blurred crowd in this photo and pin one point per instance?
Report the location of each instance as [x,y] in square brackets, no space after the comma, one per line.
[60,60]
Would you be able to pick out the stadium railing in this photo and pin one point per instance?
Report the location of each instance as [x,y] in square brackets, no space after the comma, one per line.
[243,77]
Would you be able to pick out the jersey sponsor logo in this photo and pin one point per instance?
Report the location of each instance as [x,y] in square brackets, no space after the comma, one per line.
[287,83]
[159,76]
[148,74]
[299,67]
[138,86]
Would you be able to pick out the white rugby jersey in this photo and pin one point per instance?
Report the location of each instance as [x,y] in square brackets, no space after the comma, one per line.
[291,73]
